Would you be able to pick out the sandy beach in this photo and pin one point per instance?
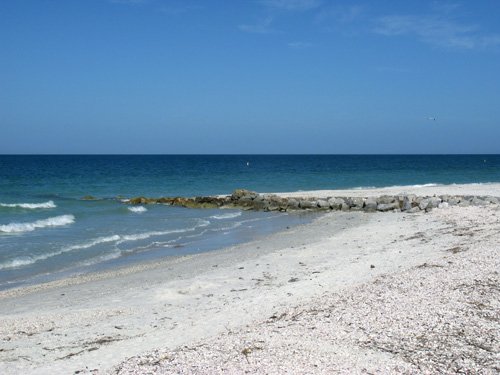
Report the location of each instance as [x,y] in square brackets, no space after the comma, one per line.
[352,292]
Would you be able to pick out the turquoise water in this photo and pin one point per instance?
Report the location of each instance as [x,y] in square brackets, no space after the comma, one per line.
[47,231]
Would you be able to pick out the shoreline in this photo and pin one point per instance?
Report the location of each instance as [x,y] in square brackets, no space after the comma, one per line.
[145,266]
[140,266]
[99,322]
[134,300]
[424,190]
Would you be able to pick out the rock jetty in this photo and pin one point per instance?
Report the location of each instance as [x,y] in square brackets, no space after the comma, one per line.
[251,200]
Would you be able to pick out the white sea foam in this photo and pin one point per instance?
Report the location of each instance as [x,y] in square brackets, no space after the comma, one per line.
[29,206]
[423,185]
[92,243]
[101,258]
[393,186]
[146,235]
[240,223]
[138,209]
[229,215]
[363,187]
[27,260]
[28,227]
[141,236]
[117,239]
[203,223]
[415,186]
[17,262]
[232,226]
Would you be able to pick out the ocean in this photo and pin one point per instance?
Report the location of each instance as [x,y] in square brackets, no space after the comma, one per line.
[47,231]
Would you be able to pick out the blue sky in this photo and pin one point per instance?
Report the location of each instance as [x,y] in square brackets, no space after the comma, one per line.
[263,76]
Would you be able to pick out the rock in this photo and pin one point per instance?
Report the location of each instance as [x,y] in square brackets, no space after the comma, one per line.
[332,203]
[491,200]
[271,197]
[355,203]
[246,198]
[345,207]
[370,205]
[260,198]
[250,200]
[208,202]
[239,194]
[433,202]
[183,202]
[306,204]
[270,202]
[407,203]
[414,210]
[335,203]
[272,207]
[386,199]
[88,198]
[141,200]
[423,204]
[277,200]
[356,208]
[323,204]
[203,205]
[164,200]
[478,202]
[400,199]
[388,206]
[293,204]
[260,205]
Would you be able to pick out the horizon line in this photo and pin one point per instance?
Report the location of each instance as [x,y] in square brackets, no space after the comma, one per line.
[250,154]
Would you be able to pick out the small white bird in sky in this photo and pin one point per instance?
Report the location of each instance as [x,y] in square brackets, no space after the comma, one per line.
[431,118]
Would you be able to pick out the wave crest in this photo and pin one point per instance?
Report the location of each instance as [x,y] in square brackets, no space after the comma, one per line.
[55,221]
[116,239]
[29,206]
[229,215]
[137,209]
[30,259]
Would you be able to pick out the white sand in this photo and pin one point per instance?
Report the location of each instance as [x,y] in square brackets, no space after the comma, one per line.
[436,318]
[487,189]
[207,301]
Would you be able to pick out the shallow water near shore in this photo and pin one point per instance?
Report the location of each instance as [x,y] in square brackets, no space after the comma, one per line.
[102,235]
[47,231]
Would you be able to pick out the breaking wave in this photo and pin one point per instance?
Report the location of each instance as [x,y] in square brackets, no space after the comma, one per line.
[230,215]
[29,206]
[138,209]
[116,239]
[29,227]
